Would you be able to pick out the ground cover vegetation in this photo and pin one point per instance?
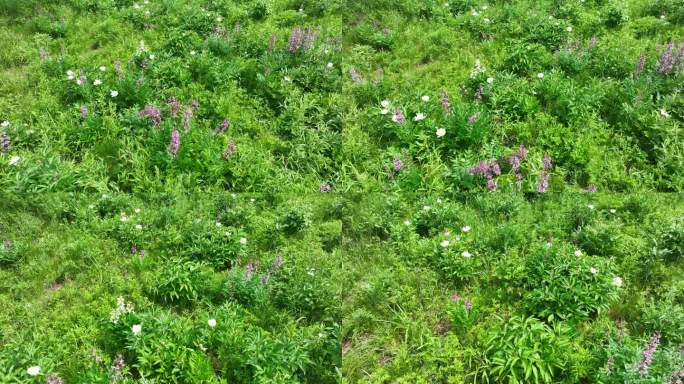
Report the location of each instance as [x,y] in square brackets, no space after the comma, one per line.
[380,191]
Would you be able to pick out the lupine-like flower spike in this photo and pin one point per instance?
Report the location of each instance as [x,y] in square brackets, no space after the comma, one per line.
[647,355]
[174,145]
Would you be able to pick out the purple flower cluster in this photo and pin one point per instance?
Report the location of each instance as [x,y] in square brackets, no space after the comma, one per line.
[356,77]
[295,41]
[81,78]
[253,268]
[472,119]
[152,113]
[324,187]
[514,160]
[670,58]
[54,379]
[397,164]
[271,43]
[230,149]
[174,145]
[84,111]
[444,100]
[223,127]
[479,92]
[489,169]
[5,143]
[647,355]
[174,106]
[640,65]
[398,116]
[117,368]
[592,42]
[309,37]
[42,52]
[544,178]
[467,304]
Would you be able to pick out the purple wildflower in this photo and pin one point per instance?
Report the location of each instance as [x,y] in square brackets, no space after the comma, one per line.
[194,105]
[647,355]
[472,119]
[152,113]
[175,106]
[355,75]
[117,368]
[84,111]
[309,38]
[134,248]
[514,160]
[277,262]
[479,92]
[271,43]
[5,143]
[174,145]
[543,182]
[640,65]
[230,149]
[117,68]
[398,164]
[252,268]
[444,100]
[81,78]
[667,59]
[265,277]
[223,127]
[488,169]
[454,297]
[42,52]
[295,39]
[467,304]
[609,365]
[54,379]
[546,162]
[187,115]
[398,116]
[324,187]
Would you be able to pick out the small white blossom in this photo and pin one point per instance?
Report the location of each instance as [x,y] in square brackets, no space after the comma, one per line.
[591,206]
[593,270]
[419,116]
[113,93]
[440,132]
[612,211]
[97,82]
[540,75]
[466,254]
[407,222]
[137,210]
[384,103]
[33,371]
[193,53]
[14,160]
[102,68]
[243,240]
[384,111]
[466,229]
[5,124]
[136,329]
[444,243]
[475,13]
[578,253]
[569,29]
[426,207]
[287,78]
[138,226]
[330,65]
[211,322]
[617,281]
[425,98]
[152,57]
[664,113]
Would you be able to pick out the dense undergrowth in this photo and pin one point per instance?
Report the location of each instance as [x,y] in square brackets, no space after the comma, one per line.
[380,191]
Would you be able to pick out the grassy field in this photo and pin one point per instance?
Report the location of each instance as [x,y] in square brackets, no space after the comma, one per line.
[380,191]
